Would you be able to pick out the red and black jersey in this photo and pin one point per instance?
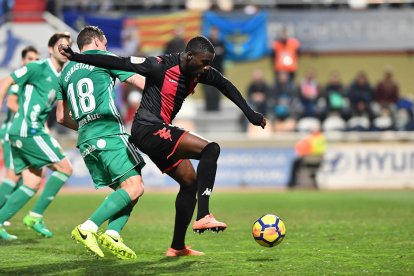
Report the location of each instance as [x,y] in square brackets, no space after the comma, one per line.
[166,86]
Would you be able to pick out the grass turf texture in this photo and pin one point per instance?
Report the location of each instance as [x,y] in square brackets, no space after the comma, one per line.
[327,233]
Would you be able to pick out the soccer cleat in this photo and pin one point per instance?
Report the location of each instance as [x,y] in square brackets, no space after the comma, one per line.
[7,223]
[116,246]
[187,251]
[208,223]
[6,236]
[88,239]
[38,225]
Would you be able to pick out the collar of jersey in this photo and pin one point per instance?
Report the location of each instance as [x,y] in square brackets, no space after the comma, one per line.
[49,61]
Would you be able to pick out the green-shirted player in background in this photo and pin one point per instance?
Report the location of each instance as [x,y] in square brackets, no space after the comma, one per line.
[86,103]
[12,181]
[32,148]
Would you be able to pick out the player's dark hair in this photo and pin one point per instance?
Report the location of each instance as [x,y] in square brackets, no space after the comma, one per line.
[200,44]
[29,49]
[87,34]
[57,36]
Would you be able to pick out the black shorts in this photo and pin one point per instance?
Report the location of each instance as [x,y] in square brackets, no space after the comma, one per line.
[159,142]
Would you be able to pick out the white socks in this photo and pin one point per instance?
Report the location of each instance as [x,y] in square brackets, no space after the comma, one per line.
[89,226]
[35,215]
[113,233]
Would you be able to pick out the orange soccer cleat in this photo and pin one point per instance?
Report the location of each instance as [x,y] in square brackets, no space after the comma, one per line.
[208,223]
[187,251]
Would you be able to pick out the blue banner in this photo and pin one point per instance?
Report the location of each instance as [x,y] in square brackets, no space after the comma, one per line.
[112,27]
[237,167]
[244,36]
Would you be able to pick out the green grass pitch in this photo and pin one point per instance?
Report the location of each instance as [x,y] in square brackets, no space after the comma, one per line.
[348,233]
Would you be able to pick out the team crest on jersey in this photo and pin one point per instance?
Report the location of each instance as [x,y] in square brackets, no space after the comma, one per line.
[137,60]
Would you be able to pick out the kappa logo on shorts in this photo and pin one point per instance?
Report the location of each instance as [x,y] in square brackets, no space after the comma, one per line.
[164,134]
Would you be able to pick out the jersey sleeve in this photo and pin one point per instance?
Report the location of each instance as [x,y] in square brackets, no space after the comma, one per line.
[60,92]
[13,90]
[215,78]
[145,66]
[119,74]
[24,74]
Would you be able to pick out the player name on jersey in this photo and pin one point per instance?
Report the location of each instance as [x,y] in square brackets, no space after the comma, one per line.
[76,67]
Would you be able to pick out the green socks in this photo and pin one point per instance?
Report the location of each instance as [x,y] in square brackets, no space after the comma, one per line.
[118,221]
[112,204]
[7,187]
[52,187]
[15,202]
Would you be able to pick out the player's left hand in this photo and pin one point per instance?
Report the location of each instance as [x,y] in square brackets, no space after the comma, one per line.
[66,51]
[264,121]
[257,119]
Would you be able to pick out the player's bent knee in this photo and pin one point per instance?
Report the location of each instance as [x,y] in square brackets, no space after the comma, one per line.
[134,186]
[211,151]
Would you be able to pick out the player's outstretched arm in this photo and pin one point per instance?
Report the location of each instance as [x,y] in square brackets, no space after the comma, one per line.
[216,79]
[103,61]
[231,92]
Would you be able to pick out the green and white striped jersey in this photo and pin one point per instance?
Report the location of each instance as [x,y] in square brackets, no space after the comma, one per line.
[38,81]
[89,91]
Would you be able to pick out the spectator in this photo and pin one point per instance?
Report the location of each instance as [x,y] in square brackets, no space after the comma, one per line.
[286,54]
[177,43]
[360,91]
[282,102]
[335,96]
[309,93]
[211,94]
[258,92]
[387,92]
[361,118]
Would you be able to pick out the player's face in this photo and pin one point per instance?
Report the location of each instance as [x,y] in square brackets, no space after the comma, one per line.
[199,63]
[54,52]
[30,56]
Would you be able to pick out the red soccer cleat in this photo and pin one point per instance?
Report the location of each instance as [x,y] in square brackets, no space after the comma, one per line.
[187,251]
[208,223]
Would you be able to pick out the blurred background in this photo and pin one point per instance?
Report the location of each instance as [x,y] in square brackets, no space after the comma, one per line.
[333,77]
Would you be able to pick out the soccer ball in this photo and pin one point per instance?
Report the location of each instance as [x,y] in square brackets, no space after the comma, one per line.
[268,230]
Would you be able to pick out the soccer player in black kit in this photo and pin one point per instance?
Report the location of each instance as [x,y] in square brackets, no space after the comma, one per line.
[169,80]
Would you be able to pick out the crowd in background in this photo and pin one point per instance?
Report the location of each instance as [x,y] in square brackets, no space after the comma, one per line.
[356,106]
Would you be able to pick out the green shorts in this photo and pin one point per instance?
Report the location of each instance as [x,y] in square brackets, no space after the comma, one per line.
[36,151]
[111,160]
[7,157]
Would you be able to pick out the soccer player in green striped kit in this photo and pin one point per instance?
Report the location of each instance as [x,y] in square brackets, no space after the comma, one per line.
[12,181]
[86,104]
[32,147]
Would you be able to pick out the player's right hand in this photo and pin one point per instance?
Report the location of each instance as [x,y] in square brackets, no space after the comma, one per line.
[66,51]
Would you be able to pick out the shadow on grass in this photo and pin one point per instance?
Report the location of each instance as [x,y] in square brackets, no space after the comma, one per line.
[261,260]
[30,241]
[104,267]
